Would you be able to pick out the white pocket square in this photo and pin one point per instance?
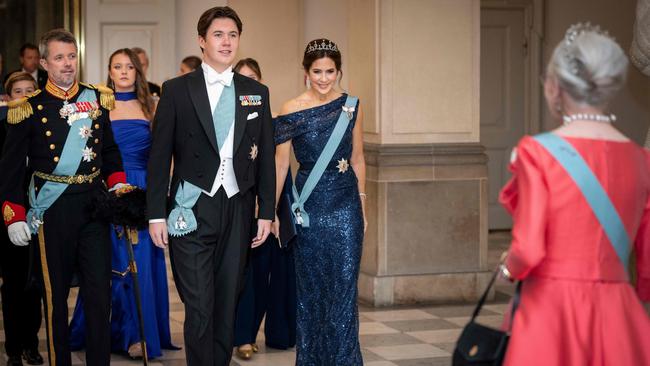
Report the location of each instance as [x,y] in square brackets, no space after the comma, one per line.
[251,116]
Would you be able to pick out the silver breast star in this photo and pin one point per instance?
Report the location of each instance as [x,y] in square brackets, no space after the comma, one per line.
[253,153]
[343,165]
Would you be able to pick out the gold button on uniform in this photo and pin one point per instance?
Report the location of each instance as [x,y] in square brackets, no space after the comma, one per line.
[56,159]
[44,120]
[97,126]
[96,141]
[93,169]
[48,133]
[40,107]
[52,146]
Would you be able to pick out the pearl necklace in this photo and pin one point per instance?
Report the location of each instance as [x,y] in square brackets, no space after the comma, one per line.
[589,117]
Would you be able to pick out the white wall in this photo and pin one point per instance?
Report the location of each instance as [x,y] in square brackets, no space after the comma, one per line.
[187,15]
[327,19]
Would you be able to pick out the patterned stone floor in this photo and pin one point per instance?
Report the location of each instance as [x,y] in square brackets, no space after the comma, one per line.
[402,336]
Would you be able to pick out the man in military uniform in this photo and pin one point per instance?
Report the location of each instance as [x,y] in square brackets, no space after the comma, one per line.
[64,132]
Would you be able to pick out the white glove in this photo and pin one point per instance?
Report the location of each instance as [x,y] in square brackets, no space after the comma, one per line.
[19,233]
[117,186]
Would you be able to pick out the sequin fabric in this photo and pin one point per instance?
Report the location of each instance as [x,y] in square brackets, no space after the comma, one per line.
[328,253]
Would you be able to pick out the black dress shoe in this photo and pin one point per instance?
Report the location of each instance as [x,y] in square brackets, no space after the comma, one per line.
[15,361]
[32,357]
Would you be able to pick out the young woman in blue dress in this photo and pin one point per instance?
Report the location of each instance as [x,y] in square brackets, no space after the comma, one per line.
[130,121]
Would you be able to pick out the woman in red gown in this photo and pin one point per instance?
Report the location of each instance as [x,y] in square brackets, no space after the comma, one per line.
[577,304]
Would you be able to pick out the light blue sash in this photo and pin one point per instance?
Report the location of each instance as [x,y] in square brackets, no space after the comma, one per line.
[68,164]
[592,190]
[181,220]
[298,206]
[224,114]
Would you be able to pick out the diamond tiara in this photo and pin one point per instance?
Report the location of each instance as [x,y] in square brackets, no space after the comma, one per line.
[577,29]
[324,45]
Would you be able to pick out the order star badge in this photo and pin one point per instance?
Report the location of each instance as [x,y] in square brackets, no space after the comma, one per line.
[343,165]
[85,132]
[88,154]
[253,153]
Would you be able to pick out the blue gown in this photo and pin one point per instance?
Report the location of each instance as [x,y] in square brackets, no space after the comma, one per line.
[133,137]
[328,253]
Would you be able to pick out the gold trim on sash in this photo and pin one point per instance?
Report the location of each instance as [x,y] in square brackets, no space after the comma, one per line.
[48,296]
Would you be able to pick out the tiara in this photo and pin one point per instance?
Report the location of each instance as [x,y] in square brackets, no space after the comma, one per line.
[575,31]
[325,45]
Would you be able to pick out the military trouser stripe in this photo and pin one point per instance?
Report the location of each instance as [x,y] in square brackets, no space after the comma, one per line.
[48,296]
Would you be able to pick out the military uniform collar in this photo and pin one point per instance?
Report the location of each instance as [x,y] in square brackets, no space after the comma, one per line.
[60,93]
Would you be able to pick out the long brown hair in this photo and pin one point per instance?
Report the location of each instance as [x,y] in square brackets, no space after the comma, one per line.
[141,86]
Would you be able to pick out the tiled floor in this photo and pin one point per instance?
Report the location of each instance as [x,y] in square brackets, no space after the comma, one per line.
[405,336]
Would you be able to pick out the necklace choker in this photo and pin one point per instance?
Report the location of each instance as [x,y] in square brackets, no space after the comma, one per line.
[125,96]
[605,118]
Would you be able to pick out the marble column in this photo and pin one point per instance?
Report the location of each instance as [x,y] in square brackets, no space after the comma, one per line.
[415,66]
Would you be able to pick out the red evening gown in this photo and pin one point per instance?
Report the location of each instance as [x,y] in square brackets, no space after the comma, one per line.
[577,305]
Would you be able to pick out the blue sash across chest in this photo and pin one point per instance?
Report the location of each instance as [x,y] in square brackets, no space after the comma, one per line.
[597,198]
[68,164]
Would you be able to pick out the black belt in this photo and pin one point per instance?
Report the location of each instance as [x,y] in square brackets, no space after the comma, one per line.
[333,165]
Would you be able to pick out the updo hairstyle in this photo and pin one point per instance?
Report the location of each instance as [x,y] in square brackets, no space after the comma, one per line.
[589,65]
[320,48]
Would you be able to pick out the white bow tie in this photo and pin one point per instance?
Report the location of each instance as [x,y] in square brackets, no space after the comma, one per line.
[224,78]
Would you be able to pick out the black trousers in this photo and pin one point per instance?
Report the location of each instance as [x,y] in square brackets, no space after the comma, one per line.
[21,296]
[208,265]
[70,240]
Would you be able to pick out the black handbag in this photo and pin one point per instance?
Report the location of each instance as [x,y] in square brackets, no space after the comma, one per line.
[479,345]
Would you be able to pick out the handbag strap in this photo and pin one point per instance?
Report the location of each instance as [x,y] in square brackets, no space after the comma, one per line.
[600,203]
[481,301]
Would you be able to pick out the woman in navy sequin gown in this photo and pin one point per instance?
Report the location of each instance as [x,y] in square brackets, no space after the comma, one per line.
[328,252]
[131,127]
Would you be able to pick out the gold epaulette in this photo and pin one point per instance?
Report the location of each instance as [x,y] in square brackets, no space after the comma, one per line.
[106,95]
[20,109]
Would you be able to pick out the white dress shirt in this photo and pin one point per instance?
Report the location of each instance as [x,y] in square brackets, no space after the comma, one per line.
[214,83]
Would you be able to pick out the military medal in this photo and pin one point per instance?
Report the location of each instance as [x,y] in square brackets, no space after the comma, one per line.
[79,110]
[85,132]
[88,154]
[250,100]
[180,223]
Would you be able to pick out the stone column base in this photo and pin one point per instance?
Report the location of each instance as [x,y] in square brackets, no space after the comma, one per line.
[427,214]
[418,289]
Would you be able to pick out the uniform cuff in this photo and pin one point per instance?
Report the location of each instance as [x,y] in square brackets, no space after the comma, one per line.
[153,221]
[12,212]
[117,177]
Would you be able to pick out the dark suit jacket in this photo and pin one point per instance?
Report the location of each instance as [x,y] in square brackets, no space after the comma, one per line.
[154,89]
[183,129]
[42,78]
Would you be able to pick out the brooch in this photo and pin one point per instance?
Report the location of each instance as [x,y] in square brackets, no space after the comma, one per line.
[343,165]
[253,153]
[250,100]
[349,111]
